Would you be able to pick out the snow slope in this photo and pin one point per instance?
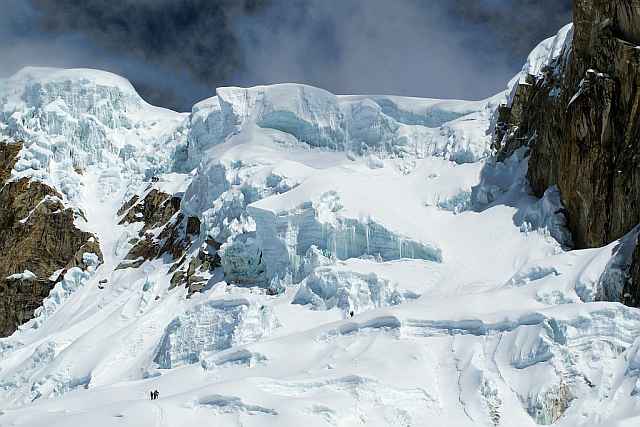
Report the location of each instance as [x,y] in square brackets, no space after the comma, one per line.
[416,281]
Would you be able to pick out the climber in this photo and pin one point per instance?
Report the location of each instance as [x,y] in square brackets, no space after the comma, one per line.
[156,394]
[151,394]
[351,313]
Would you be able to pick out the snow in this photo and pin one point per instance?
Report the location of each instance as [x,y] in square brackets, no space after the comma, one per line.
[72,119]
[543,55]
[172,183]
[344,287]
[385,125]
[25,276]
[469,308]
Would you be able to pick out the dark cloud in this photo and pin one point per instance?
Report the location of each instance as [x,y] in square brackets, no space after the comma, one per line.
[514,26]
[177,51]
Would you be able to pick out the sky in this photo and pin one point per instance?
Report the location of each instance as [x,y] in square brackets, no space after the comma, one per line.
[176,52]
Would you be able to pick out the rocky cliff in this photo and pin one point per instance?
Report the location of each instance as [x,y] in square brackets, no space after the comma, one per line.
[166,231]
[39,238]
[580,119]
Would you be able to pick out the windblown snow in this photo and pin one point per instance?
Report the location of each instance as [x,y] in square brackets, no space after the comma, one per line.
[378,267]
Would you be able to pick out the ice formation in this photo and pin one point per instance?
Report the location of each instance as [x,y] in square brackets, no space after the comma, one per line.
[351,292]
[211,327]
[72,119]
[386,125]
[376,267]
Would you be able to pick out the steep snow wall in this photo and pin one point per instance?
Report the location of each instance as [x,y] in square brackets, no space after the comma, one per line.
[286,236]
[387,125]
[71,119]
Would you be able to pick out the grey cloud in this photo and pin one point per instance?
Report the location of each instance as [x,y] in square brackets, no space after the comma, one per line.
[177,51]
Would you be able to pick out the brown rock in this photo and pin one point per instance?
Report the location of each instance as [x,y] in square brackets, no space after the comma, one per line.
[8,158]
[128,205]
[156,209]
[39,235]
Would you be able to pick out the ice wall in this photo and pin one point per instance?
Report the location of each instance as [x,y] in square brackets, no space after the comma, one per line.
[72,119]
[349,291]
[387,125]
[286,236]
[211,327]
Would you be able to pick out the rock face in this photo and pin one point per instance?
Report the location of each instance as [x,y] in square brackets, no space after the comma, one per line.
[156,210]
[581,120]
[8,157]
[38,236]
[166,231]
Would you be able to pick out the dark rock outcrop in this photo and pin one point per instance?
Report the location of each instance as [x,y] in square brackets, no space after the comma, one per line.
[167,232]
[39,236]
[195,274]
[8,158]
[156,210]
[581,120]
[631,293]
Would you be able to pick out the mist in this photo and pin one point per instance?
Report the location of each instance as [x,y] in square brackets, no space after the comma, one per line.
[177,52]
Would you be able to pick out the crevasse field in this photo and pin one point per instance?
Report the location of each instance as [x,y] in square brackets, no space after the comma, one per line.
[468,308]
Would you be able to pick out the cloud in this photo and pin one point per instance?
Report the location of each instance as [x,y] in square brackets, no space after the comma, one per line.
[439,48]
[412,48]
[177,51]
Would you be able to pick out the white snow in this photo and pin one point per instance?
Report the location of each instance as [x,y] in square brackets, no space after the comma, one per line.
[72,119]
[25,276]
[468,306]
[543,55]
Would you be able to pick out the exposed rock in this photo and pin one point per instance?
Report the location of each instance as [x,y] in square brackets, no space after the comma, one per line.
[193,225]
[156,209]
[161,211]
[91,246]
[128,205]
[8,158]
[39,236]
[631,291]
[581,119]
[172,240]
[196,273]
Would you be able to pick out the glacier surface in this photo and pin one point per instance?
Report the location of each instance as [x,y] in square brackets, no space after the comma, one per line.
[377,266]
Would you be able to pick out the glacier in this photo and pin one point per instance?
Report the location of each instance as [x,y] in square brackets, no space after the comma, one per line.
[376,265]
